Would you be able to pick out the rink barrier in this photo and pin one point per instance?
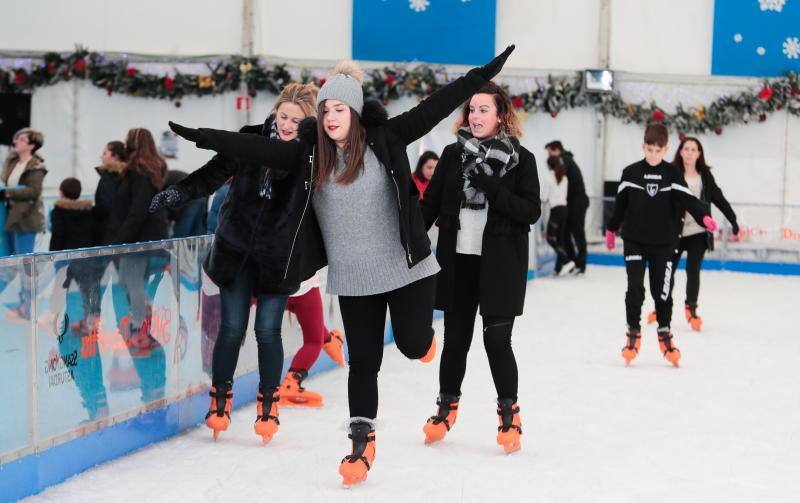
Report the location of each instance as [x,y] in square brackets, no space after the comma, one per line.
[61,371]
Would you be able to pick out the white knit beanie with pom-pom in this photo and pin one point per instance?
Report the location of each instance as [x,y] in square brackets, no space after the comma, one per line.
[344,86]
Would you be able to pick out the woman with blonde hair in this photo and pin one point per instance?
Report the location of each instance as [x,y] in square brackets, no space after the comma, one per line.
[257,226]
[373,238]
[484,196]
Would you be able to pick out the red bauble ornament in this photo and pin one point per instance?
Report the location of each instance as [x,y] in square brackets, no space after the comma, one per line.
[109,90]
[131,72]
[682,137]
[389,79]
[778,107]
[518,102]
[177,104]
[20,78]
[658,116]
[322,81]
[169,83]
[554,114]
[762,117]
[718,130]
[385,101]
[765,94]
[79,66]
[51,68]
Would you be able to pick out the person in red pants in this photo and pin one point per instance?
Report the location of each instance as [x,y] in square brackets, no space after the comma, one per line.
[306,304]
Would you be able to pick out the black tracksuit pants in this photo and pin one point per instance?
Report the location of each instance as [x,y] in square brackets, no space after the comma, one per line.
[364,320]
[459,325]
[658,259]
[695,247]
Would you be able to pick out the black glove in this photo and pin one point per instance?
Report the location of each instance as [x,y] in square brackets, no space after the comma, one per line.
[493,67]
[488,184]
[191,134]
[307,130]
[735,228]
[171,197]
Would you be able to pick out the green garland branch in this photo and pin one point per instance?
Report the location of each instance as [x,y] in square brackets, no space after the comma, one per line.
[230,74]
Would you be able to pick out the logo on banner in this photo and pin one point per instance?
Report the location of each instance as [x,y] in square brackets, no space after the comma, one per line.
[652,189]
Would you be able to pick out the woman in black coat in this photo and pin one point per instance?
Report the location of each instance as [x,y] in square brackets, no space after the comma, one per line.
[257,223]
[694,239]
[375,241]
[484,196]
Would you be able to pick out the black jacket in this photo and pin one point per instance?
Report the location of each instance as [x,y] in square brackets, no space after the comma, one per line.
[504,253]
[388,138]
[104,195]
[712,194]
[576,190]
[73,225]
[648,199]
[261,230]
[129,220]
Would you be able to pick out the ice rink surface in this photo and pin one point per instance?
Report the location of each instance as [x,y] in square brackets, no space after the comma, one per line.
[725,427]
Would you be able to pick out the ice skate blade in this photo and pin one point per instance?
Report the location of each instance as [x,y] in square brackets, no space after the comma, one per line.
[300,402]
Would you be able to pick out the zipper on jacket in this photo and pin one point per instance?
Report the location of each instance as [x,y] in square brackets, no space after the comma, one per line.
[399,207]
[308,183]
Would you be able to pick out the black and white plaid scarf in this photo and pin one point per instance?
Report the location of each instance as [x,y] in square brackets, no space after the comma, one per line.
[494,157]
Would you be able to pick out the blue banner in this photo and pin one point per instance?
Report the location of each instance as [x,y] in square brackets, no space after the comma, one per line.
[759,38]
[434,31]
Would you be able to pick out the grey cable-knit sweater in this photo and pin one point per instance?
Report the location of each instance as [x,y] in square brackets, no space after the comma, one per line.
[361,231]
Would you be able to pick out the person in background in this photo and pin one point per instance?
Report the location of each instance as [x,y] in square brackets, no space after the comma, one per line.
[111,170]
[24,169]
[577,205]
[554,193]
[426,165]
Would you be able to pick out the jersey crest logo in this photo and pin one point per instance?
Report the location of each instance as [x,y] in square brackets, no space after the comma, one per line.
[652,189]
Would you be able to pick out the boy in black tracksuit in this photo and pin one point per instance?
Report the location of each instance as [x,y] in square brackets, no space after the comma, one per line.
[650,194]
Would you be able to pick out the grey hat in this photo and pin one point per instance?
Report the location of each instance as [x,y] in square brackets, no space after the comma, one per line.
[343,88]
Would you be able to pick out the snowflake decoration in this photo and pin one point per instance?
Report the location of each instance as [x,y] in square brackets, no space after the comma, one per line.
[792,48]
[776,5]
[418,5]
[761,51]
[738,38]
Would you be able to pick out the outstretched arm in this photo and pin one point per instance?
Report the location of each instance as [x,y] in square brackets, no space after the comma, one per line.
[417,122]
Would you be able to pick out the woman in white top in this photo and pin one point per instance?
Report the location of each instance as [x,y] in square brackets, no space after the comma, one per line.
[554,193]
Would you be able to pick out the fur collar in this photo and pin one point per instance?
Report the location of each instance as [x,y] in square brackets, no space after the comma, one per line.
[373,114]
[117,167]
[73,204]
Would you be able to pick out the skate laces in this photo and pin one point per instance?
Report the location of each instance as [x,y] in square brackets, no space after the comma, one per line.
[507,410]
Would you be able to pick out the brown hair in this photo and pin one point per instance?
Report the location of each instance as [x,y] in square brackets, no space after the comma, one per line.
[35,138]
[701,165]
[143,158]
[71,188]
[302,95]
[557,165]
[117,149]
[656,134]
[354,151]
[509,122]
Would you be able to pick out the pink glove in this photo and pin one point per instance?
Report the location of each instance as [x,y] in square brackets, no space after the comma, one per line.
[611,240]
[710,223]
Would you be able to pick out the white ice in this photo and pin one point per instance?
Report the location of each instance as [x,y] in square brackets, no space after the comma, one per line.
[725,427]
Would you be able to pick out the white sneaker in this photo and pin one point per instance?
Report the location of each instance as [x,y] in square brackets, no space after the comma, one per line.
[567,269]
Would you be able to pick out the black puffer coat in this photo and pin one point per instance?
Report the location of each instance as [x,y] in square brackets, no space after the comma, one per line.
[258,230]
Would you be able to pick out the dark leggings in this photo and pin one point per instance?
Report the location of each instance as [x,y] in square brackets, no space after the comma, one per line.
[364,320]
[659,262]
[557,235]
[236,301]
[695,247]
[459,325]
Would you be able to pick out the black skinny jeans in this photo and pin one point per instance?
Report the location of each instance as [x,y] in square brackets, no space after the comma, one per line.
[695,247]
[459,325]
[364,319]
[659,262]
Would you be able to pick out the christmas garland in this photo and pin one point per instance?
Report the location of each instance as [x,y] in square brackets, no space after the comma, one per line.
[121,75]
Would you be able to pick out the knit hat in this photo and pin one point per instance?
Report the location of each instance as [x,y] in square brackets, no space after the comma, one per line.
[344,86]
